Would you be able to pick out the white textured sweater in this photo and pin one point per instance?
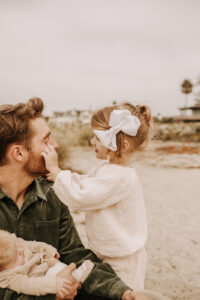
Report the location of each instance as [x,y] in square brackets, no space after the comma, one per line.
[112,198]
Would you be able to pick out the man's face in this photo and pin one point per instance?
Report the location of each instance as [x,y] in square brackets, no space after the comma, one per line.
[41,136]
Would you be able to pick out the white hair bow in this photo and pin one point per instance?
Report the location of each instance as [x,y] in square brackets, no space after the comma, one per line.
[120,120]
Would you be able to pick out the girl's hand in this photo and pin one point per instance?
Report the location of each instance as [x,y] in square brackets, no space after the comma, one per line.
[49,177]
[51,161]
[50,156]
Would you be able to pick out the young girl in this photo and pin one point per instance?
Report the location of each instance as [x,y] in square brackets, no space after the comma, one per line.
[111,193]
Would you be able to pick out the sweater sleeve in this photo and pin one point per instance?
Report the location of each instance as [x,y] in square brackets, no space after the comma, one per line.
[37,286]
[91,193]
[38,247]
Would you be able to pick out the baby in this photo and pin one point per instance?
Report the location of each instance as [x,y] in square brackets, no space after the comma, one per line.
[30,267]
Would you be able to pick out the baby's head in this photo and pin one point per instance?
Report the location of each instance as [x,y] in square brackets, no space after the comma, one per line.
[134,120]
[11,252]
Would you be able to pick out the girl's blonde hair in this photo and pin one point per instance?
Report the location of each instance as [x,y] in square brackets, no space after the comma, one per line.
[100,121]
[7,247]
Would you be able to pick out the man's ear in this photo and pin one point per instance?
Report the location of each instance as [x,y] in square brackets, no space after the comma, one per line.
[17,152]
[126,146]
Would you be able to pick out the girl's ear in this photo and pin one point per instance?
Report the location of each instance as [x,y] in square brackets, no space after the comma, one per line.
[126,146]
[17,152]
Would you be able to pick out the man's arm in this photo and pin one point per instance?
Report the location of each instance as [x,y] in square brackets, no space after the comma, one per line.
[7,294]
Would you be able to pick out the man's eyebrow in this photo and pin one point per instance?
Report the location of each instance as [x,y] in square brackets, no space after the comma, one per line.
[47,135]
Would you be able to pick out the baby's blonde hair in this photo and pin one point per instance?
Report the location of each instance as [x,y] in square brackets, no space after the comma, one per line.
[7,247]
[100,121]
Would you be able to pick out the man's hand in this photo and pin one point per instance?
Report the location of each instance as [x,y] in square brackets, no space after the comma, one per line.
[62,287]
[67,285]
[131,295]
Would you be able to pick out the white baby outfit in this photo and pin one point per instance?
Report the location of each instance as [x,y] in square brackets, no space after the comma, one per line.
[115,218]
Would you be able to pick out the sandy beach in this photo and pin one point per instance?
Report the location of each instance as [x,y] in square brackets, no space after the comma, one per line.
[171,185]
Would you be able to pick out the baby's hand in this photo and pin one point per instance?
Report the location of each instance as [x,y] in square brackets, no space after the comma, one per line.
[51,161]
[57,255]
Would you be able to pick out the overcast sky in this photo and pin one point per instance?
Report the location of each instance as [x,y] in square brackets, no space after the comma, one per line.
[88,53]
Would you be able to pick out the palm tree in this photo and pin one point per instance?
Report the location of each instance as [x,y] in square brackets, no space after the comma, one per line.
[186,88]
[197,93]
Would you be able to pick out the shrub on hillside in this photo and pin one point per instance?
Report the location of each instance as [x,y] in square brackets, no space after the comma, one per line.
[84,136]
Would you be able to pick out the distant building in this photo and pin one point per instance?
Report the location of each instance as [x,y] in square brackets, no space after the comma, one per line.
[190,113]
[72,116]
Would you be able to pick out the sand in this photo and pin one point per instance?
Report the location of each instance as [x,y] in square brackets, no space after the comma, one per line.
[171,185]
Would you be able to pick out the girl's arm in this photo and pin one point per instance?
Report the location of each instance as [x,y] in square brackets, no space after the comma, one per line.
[87,192]
[91,193]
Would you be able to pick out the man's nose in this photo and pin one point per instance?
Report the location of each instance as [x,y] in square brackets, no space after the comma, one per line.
[53,144]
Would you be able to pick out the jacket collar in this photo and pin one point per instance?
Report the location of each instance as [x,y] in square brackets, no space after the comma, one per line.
[35,186]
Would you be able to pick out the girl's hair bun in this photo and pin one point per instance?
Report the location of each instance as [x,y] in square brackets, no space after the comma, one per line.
[100,121]
[145,112]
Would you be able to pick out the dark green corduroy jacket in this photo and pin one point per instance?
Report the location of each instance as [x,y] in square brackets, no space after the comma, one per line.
[43,217]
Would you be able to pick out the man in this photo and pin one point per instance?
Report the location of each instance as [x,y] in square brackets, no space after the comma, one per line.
[30,209]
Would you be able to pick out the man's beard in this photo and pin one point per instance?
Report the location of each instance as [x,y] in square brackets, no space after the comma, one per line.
[35,166]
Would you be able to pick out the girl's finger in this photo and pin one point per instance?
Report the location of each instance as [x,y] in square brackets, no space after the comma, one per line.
[50,147]
[46,150]
[43,154]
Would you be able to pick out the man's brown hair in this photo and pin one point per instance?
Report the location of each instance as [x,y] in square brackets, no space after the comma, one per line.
[14,123]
